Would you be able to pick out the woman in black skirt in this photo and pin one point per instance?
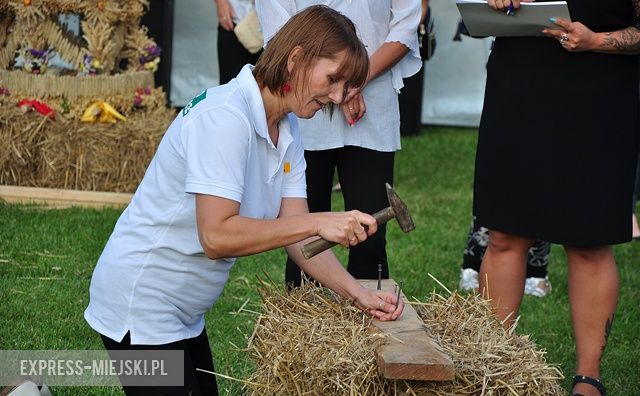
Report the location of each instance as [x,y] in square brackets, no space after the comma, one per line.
[556,159]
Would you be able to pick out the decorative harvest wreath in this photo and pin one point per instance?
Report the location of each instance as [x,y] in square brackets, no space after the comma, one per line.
[111,39]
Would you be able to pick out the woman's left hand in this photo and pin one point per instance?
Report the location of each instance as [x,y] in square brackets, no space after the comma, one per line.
[380,304]
[353,108]
[573,36]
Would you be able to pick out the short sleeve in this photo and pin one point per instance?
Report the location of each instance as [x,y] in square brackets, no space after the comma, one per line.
[295,182]
[217,144]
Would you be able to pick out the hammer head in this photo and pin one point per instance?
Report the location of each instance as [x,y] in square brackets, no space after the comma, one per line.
[400,210]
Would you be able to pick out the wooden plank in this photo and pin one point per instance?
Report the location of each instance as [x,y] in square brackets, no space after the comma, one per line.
[410,352]
[58,198]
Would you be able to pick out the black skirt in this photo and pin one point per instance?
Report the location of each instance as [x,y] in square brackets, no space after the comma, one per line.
[558,139]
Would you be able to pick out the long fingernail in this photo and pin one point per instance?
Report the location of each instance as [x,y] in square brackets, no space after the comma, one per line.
[552,20]
[352,122]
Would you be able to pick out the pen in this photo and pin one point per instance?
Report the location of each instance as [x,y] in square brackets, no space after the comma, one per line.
[510,9]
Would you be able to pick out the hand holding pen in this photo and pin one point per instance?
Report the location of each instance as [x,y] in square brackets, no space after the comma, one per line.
[510,9]
[508,6]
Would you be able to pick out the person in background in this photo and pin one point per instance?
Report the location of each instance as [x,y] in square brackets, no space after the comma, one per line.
[635,230]
[561,113]
[537,279]
[227,181]
[232,55]
[360,147]
[410,98]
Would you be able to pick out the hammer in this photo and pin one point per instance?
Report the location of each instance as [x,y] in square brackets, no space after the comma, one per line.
[396,209]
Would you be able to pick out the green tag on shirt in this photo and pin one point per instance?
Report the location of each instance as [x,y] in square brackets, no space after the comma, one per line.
[194,102]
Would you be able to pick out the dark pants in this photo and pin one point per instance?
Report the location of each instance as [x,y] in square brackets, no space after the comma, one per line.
[232,55]
[410,102]
[636,189]
[197,354]
[362,174]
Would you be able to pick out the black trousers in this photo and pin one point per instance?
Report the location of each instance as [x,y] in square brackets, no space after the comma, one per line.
[232,55]
[410,102]
[362,174]
[197,354]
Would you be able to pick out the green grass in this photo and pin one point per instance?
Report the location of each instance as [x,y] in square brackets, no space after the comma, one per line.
[47,257]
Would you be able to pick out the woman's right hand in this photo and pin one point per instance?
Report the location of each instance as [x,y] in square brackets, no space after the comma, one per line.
[346,228]
[225,14]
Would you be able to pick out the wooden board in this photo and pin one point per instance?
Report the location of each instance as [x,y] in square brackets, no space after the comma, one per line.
[410,352]
[57,198]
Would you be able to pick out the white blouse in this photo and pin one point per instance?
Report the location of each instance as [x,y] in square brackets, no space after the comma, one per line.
[377,22]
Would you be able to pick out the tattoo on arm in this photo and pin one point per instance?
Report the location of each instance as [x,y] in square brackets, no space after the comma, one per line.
[625,41]
[607,331]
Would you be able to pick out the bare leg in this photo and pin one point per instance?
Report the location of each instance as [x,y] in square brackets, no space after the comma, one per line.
[593,292]
[503,272]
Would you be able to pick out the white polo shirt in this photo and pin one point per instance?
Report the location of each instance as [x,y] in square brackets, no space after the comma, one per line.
[153,278]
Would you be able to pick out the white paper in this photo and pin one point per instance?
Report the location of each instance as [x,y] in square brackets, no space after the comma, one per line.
[528,20]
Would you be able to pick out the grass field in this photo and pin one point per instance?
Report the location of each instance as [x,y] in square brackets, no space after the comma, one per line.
[47,258]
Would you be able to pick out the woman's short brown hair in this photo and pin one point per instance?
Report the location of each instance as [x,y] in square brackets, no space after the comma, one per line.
[321,32]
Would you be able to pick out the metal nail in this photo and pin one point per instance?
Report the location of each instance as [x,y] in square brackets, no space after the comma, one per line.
[398,297]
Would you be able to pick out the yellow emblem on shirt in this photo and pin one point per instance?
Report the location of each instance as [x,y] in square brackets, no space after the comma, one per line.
[287,167]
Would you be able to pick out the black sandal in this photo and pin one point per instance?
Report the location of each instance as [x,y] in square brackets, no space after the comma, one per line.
[583,379]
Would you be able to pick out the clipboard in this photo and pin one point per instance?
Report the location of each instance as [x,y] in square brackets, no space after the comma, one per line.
[528,20]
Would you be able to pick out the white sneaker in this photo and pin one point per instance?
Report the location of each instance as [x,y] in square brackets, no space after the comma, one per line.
[468,279]
[538,287]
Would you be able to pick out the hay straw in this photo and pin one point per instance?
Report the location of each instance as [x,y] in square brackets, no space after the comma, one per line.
[36,151]
[310,341]
[488,359]
[46,86]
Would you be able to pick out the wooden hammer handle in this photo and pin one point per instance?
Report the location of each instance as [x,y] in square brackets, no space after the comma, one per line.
[320,245]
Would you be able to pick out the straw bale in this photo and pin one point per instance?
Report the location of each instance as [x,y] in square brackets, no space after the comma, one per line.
[310,341]
[36,151]
[488,359]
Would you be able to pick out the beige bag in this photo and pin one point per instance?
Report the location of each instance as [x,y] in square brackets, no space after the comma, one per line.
[249,33]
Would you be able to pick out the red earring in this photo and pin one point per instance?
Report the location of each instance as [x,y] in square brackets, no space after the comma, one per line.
[286,88]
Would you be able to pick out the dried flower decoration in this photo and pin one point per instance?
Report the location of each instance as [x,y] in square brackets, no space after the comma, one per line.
[150,58]
[140,94]
[89,66]
[34,60]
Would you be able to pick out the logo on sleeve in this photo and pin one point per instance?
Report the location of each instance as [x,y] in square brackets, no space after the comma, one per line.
[194,102]
[287,167]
